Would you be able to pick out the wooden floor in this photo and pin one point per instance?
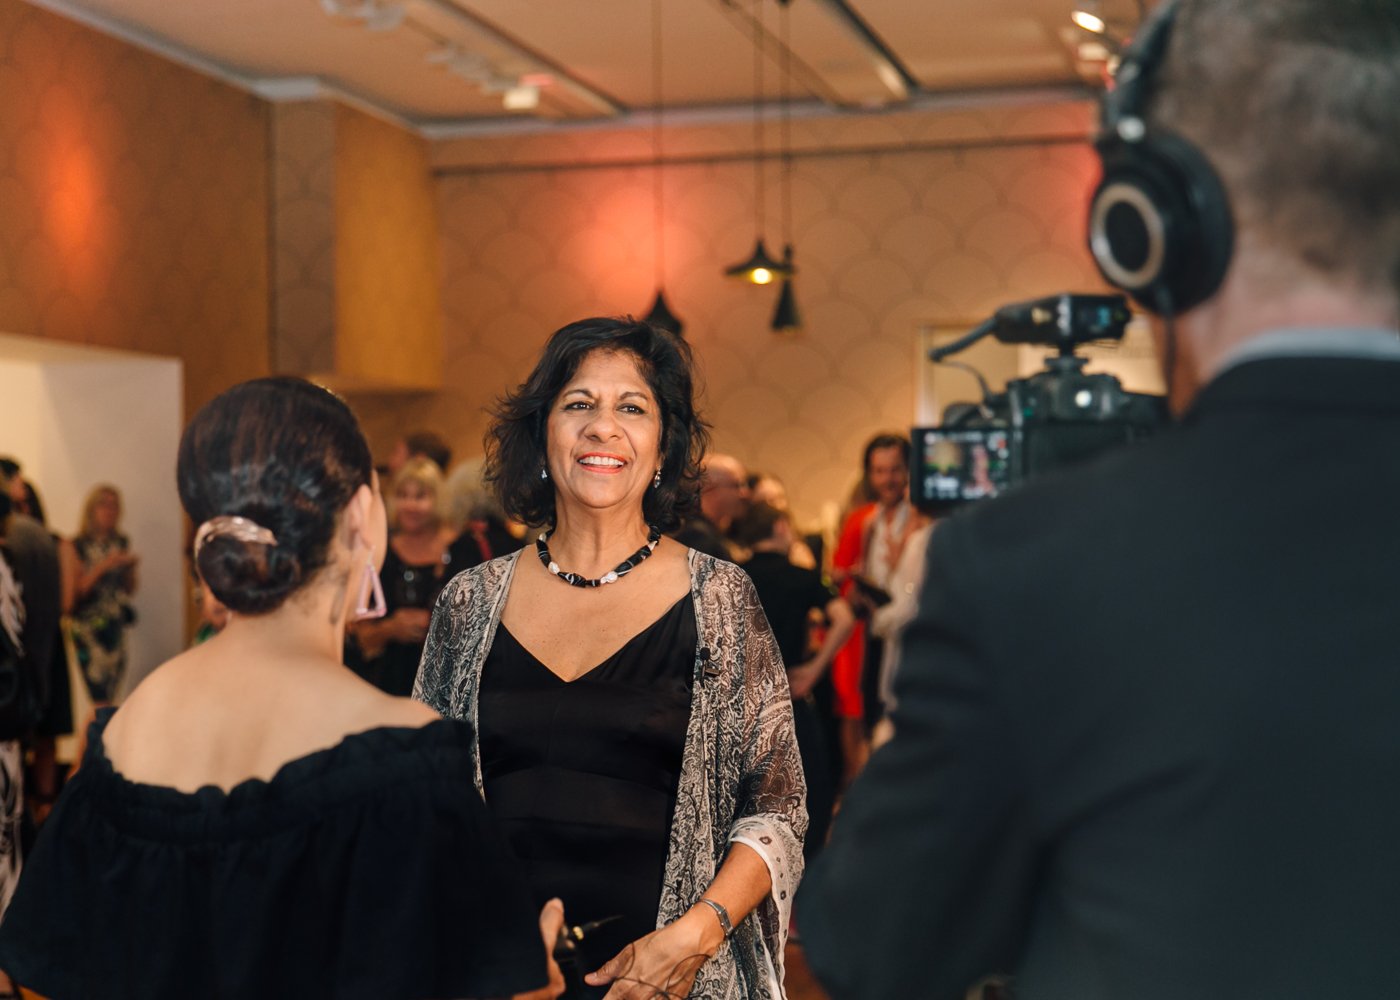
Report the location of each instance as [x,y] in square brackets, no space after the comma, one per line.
[800,984]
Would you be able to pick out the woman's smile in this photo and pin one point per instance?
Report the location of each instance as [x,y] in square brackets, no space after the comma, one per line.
[606,464]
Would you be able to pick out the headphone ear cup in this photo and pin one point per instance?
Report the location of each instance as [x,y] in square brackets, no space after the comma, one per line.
[1159,223]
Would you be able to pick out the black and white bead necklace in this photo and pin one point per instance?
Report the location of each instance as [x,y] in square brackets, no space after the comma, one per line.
[613,575]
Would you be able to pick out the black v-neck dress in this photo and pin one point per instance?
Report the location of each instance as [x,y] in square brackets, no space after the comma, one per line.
[581,775]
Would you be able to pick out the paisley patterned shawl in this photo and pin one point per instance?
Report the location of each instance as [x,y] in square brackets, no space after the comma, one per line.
[741,779]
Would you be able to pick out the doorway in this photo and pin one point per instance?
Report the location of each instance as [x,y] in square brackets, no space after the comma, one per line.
[74,416]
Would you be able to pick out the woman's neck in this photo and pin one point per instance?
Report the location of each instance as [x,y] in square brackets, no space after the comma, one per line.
[592,542]
[309,626]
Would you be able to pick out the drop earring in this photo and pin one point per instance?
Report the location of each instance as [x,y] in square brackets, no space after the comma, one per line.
[544,472]
[656,480]
[371,602]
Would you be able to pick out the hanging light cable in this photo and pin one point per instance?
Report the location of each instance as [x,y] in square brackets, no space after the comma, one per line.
[660,314]
[760,268]
[786,318]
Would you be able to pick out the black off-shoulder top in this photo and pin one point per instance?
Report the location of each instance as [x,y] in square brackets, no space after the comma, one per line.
[366,870]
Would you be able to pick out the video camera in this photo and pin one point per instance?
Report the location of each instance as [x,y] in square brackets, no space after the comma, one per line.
[1050,419]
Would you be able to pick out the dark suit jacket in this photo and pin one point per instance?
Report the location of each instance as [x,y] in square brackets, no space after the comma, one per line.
[1148,737]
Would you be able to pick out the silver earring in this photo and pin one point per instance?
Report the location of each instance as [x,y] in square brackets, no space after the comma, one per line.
[656,480]
[544,472]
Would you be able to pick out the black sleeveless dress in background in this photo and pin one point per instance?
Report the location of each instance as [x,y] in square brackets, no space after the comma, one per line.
[366,871]
[410,585]
[581,775]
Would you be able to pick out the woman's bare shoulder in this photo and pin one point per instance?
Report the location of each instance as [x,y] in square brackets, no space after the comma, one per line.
[198,721]
[405,712]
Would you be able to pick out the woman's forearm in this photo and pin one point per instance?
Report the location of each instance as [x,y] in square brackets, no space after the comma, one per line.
[741,883]
[841,621]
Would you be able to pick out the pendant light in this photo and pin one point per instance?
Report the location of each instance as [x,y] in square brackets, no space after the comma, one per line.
[786,318]
[660,314]
[760,268]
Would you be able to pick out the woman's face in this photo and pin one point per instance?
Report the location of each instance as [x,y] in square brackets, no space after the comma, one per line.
[770,491]
[414,508]
[603,436]
[106,513]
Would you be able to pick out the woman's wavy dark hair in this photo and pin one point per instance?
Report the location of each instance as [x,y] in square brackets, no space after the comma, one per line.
[281,452]
[515,441]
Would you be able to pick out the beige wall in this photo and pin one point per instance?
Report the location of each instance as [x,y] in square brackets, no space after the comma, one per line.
[136,202]
[388,315]
[899,221]
[355,250]
[133,202]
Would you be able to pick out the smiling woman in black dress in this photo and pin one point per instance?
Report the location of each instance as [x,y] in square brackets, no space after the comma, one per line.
[635,730]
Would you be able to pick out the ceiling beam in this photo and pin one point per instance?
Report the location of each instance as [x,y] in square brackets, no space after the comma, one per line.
[888,66]
[587,93]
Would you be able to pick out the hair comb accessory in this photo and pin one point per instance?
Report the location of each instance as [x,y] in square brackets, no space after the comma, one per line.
[232,526]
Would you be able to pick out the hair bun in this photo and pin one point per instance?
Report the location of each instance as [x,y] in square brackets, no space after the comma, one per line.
[248,577]
[265,470]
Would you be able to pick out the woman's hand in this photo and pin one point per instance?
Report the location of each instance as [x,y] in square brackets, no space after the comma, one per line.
[409,624]
[551,923]
[803,677]
[117,559]
[665,962]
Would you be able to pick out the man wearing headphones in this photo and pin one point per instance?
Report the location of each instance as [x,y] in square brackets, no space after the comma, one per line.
[1147,743]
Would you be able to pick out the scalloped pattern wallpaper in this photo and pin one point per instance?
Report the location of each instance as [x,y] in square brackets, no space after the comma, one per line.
[136,197]
[133,202]
[898,221]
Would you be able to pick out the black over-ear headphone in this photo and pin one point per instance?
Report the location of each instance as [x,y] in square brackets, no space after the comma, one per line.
[1159,221]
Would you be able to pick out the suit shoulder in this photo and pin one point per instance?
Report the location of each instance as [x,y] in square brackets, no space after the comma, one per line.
[1096,496]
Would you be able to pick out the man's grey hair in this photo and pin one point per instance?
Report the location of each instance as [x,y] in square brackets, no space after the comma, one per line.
[1297,105]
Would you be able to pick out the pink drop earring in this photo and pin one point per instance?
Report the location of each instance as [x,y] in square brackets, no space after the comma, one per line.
[370,587]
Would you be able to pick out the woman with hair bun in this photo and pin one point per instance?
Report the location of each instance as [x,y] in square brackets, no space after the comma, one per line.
[256,820]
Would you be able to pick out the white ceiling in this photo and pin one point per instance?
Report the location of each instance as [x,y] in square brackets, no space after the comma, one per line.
[594,58]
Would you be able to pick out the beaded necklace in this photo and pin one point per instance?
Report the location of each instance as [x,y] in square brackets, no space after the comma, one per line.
[613,575]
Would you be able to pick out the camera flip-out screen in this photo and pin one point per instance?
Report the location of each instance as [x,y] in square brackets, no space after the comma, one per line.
[955,466]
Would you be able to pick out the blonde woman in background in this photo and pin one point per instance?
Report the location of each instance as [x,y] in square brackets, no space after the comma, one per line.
[423,555]
[99,579]
[476,513]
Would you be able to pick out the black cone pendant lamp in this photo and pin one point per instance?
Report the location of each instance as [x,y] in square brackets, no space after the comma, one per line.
[787,318]
[760,268]
[660,314]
